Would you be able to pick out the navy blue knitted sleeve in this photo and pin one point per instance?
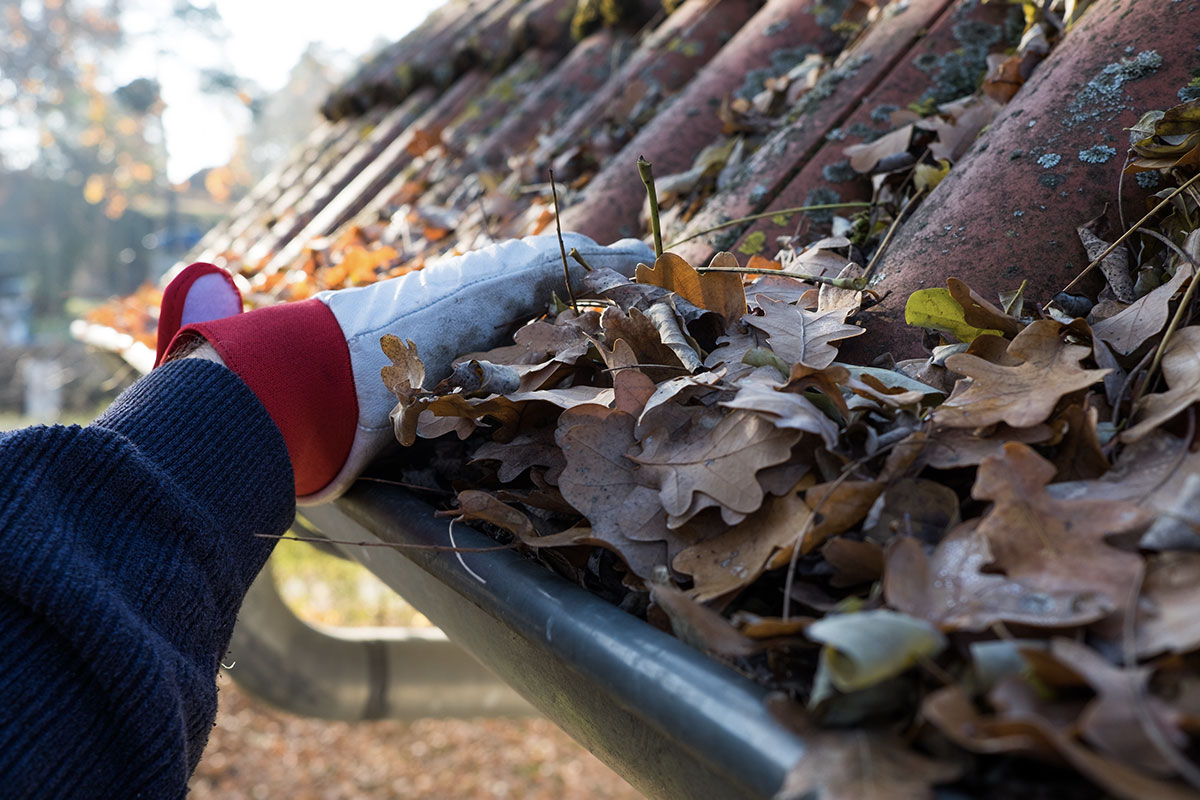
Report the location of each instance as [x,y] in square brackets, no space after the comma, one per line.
[125,550]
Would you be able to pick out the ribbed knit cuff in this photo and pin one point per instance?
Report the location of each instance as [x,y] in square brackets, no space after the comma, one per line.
[202,426]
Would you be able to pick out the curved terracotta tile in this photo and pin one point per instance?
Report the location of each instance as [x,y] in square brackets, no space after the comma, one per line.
[1050,162]
[782,30]
[827,108]
[945,64]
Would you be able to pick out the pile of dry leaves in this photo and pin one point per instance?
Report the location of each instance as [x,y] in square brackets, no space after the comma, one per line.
[992,550]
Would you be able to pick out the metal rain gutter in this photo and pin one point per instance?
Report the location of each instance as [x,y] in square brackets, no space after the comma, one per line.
[671,721]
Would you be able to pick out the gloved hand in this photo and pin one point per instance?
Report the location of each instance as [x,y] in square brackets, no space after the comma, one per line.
[315,364]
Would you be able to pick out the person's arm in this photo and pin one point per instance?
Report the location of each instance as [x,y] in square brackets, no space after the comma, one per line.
[127,546]
[125,550]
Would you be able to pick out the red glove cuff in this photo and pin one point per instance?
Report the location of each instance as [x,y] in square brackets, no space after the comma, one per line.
[294,358]
[175,299]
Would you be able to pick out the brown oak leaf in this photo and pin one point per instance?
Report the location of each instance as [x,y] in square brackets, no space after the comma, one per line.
[604,485]
[1022,394]
[717,455]
[721,292]
[951,710]
[784,409]
[737,557]
[533,448]
[1111,721]
[949,588]
[1049,544]
[403,378]
[980,313]
[836,508]
[856,764]
[802,337]
[1130,328]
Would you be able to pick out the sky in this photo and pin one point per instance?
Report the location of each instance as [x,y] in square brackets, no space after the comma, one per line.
[266,38]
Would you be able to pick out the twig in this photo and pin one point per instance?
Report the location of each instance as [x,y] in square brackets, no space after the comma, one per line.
[1176,319]
[873,264]
[487,222]
[578,256]
[645,169]
[854,284]
[1011,304]
[646,366]
[562,248]
[1121,189]
[1126,235]
[441,548]
[415,487]
[765,214]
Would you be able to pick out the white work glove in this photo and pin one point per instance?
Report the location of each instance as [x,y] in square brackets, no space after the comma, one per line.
[315,365]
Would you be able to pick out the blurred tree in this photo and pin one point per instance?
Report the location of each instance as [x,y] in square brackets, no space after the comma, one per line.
[78,155]
[74,155]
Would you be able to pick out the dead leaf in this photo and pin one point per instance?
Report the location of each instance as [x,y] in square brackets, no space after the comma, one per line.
[1078,455]
[898,394]
[534,449]
[1177,526]
[915,507]
[632,390]
[865,157]
[681,390]
[478,505]
[1172,593]
[1130,328]
[737,557]
[831,298]
[1053,545]
[480,378]
[720,292]
[1155,472]
[950,448]
[853,562]
[780,287]
[1115,265]
[1181,368]
[865,648]
[718,455]
[858,764]
[700,626]
[403,378]
[662,316]
[601,482]
[950,589]
[784,409]
[1111,722]
[1004,79]
[836,507]
[1021,395]
[970,118]
[979,313]
[802,337]
[951,710]
[643,342]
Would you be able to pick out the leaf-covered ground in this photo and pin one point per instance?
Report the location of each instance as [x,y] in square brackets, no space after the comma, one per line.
[951,566]
[258,752]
